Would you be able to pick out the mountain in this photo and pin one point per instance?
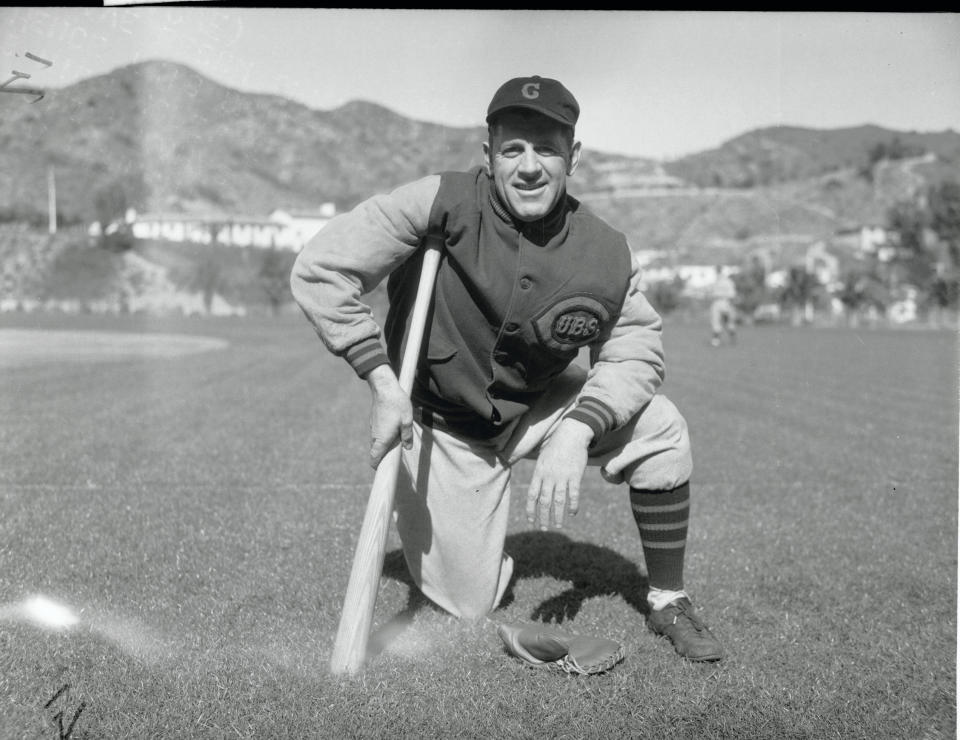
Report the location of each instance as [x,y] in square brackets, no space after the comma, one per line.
[178,141]
[689,222]
[174,140]
[782,153]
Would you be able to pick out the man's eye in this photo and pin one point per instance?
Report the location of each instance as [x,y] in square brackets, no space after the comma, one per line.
[511,151]
[546,151]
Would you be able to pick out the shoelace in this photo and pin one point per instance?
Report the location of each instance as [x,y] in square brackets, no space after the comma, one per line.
[685,609]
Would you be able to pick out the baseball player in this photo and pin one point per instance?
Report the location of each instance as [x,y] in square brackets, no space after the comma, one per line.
[528,277]
[723,315]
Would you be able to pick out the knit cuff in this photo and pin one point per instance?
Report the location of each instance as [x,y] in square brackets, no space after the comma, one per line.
[596,415]
[366,355]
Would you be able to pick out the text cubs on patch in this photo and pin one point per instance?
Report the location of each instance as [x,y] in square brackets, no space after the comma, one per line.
[571,322]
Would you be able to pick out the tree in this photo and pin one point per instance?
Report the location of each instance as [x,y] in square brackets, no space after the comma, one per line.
[206,277]
[862,289]
[944,204]
[274,277]
[110,204]
[798,294]
[666,296]
[888,150]
[914,263]
[751,284]
[908,220]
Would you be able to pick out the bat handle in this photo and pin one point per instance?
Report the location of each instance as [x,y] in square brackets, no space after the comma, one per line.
[350,647]
[418,318]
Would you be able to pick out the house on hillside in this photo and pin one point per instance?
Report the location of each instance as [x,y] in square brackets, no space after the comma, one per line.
[282,229]
[865,239]
[230,231]
[304,224]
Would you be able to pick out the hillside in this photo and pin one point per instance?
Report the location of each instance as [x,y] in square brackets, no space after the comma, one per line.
[785,153]
[178,141]
[813,208]
[174,140]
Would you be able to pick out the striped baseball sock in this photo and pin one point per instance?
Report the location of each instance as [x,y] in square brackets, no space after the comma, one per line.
[662,518]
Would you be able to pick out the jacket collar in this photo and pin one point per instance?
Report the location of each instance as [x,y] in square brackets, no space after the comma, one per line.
[540,231]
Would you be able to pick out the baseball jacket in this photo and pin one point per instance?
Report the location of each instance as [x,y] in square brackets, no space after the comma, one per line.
[513,303]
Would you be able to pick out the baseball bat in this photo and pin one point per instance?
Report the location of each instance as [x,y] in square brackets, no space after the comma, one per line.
[350,648]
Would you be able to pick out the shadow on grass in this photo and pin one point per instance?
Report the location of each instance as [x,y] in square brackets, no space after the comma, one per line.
[592,571]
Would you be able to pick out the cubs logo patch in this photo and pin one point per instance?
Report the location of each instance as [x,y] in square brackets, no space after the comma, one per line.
[571,323]
[575,326]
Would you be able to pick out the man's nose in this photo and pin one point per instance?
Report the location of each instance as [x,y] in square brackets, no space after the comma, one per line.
[529,163]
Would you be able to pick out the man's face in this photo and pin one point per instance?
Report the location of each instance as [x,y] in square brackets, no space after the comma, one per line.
[529,158]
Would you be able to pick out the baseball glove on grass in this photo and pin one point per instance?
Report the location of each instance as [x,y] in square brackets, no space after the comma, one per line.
[543,646]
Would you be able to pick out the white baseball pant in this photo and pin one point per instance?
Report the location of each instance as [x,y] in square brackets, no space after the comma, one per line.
[453,496]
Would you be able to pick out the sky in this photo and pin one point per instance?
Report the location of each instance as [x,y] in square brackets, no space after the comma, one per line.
[655,84]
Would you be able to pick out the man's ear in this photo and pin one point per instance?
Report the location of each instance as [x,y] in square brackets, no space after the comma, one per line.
[487,164]
[574,158]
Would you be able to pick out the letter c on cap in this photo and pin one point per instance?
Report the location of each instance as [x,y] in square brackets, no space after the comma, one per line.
[531,91]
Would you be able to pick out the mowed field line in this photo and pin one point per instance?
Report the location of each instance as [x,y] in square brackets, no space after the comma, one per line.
[855,408]
[923,390]
[908,394]
[248,405]
[913,367]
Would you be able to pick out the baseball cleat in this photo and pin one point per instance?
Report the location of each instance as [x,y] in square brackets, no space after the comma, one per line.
[690,636]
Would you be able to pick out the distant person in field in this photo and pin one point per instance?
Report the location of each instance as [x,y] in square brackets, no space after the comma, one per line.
[528,277]
[723,314]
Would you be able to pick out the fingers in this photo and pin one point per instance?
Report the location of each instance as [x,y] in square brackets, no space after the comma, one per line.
[388,423]
[559,507]
[547,495]
[533,495]
[406,431]
[378,449]
[380,446]
[544,496]
[573,498]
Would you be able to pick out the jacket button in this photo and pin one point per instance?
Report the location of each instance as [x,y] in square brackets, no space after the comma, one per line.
[511,327]
[525,283]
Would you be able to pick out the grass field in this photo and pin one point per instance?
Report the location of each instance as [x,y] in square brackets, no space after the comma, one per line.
[196,512]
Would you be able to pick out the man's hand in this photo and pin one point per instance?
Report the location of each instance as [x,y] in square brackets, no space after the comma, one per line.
[391,413]
[558,472]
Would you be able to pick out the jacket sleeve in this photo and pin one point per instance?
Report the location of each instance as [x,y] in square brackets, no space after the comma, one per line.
[626,368]
[349,257]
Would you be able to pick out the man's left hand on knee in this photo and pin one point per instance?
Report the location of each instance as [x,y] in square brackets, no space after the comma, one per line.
[557,475]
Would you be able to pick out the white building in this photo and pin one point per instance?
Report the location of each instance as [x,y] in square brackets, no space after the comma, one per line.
[282,229]
[866,239]
[305,224]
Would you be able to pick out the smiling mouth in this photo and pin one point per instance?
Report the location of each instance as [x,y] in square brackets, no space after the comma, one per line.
[529,187]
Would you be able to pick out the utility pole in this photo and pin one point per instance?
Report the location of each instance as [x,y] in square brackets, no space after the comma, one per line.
[52,199]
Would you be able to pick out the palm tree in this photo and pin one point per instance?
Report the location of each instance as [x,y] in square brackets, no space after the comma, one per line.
[798,294]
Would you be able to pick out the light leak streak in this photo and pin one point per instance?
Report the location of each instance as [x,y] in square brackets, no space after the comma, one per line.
[130,636]
[46,613]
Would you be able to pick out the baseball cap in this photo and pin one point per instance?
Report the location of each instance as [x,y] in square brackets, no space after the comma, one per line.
[540,94]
